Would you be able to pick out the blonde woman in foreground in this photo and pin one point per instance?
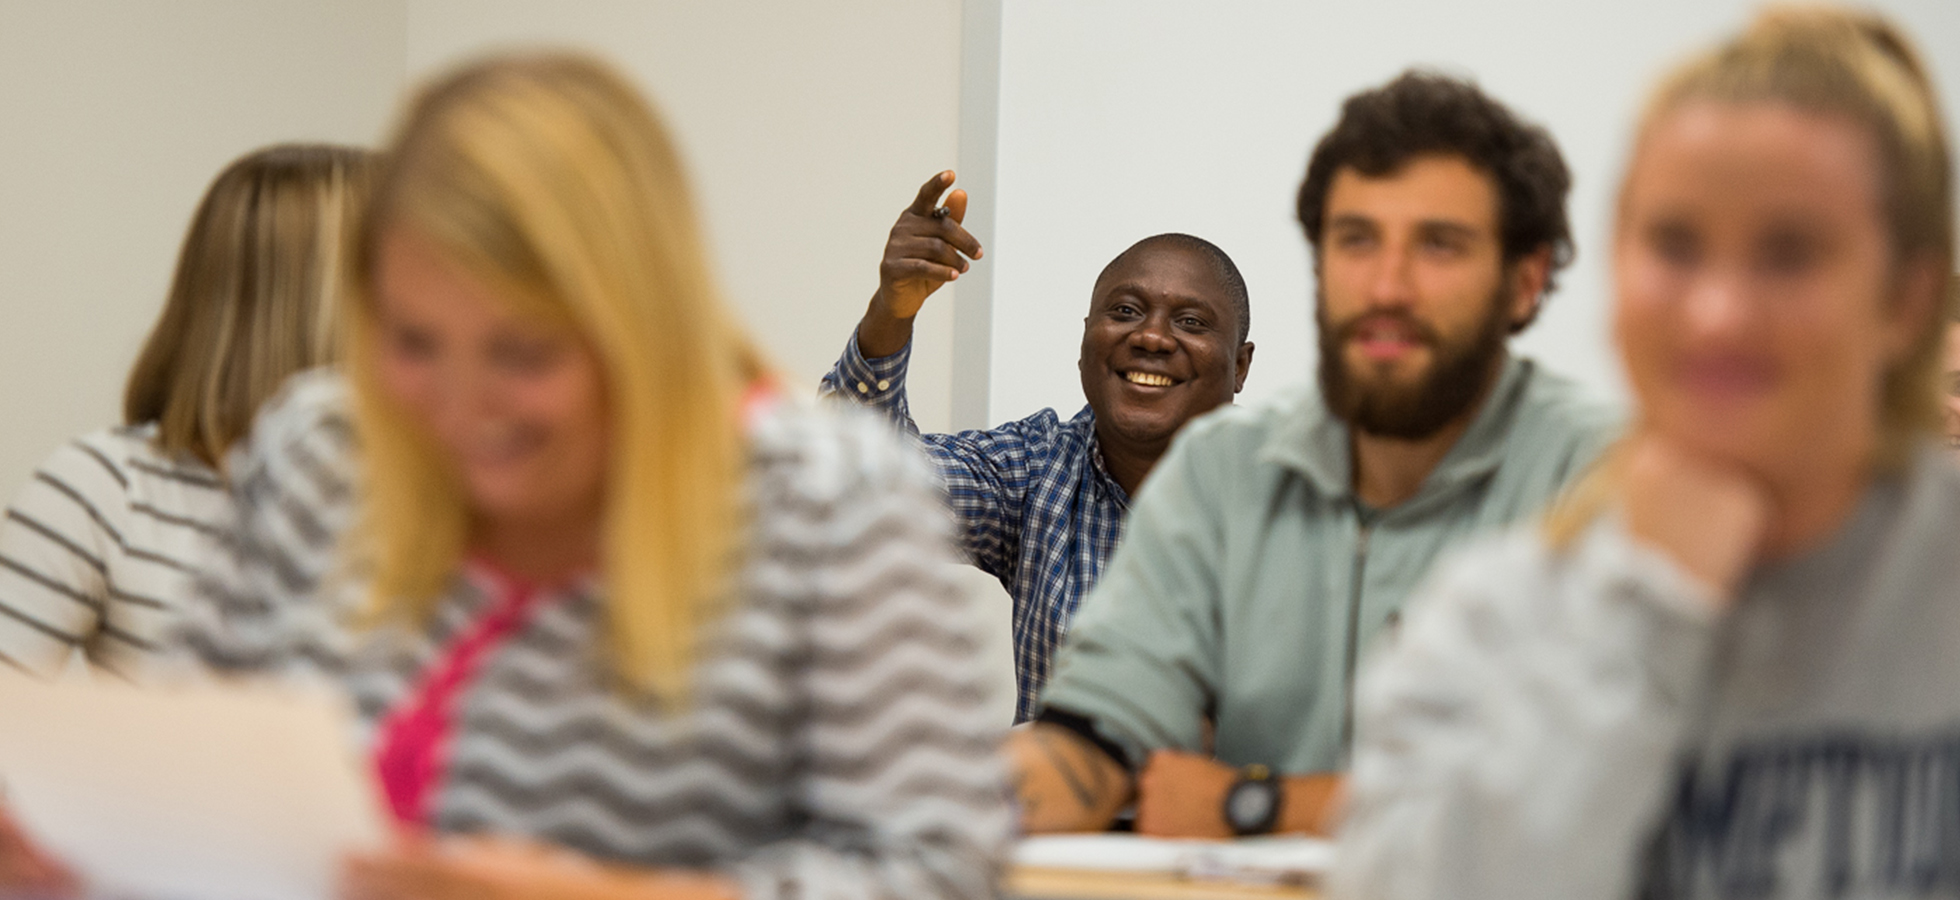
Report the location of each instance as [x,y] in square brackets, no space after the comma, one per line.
[1952,379]
[1727,667]
[613,609]
[98,547]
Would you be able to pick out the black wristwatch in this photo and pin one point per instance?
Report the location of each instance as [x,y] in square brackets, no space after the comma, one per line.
[1252,803]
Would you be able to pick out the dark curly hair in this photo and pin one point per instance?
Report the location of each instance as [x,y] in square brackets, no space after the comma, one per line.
[1425,113]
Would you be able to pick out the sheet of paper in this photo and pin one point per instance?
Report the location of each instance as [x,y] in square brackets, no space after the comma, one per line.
[1254,858]
[206,793]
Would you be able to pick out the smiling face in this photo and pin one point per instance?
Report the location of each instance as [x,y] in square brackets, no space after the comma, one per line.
[1754,277]
[1160,345]
[1415,298]
[516,405]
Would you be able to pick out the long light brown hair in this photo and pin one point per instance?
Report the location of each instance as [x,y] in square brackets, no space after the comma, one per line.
[551,180]
[1858,66]
[255,295]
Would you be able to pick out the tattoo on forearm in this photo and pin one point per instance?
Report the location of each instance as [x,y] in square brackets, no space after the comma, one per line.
[1097,771]
[1085,793]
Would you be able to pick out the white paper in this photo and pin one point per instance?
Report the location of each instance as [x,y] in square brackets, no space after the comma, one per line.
[205,793]
[1260,858]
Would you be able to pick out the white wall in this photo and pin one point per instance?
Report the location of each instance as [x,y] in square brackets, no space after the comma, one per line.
[1123,118]
[116,116]
[807,127]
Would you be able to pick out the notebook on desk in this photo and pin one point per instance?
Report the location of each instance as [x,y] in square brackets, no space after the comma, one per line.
[1290,860]
[210,792]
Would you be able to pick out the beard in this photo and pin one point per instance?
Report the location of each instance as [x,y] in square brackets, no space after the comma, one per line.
[1462,368]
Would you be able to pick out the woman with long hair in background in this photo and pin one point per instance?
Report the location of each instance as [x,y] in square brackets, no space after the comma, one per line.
[98,547]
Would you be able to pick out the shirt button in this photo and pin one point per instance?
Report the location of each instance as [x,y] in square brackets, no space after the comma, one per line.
[884,384]
[864,388]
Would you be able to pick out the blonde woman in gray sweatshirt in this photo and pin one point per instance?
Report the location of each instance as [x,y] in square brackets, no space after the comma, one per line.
[1729,664]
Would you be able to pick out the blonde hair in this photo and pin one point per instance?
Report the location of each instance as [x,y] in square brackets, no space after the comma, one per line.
[550,179]
[1856,65]
[255,295]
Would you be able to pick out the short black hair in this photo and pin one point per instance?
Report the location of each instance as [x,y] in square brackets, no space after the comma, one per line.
[1428,113]
[1222,265]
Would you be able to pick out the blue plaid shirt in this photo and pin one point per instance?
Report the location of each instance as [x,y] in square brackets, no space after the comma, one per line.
[1036,508]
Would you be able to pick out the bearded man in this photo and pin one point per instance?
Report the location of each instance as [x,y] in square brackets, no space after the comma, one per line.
[1207,678]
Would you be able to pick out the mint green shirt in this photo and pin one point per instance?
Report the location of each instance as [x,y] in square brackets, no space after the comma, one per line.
[1251,576]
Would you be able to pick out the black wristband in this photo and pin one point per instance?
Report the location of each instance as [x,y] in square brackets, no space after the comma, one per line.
[1085,728]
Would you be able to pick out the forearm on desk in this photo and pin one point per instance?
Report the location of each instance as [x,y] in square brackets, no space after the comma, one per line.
[1181,794]
[1312,803]
[1064,782]
[1067,783]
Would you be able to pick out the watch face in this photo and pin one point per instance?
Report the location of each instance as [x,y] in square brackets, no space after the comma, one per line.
[1249,807]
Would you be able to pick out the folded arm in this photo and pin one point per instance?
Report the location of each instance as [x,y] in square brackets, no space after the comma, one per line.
[1065,782]
[1516,740]
[1542,692]
[1183,794]
[1068,782]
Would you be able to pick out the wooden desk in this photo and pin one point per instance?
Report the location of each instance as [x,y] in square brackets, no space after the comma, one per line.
[1024,883]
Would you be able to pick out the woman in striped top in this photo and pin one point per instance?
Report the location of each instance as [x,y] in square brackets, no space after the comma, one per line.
[96,549]
[605,590]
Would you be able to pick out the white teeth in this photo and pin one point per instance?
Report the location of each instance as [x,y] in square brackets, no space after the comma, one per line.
[1147,378]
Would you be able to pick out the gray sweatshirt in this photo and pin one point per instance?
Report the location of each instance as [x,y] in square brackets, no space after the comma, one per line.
[1586,725]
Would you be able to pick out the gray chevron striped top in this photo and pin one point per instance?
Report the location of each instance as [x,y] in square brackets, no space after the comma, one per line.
[838,743]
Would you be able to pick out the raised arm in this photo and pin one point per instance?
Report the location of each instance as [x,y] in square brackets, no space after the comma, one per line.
[926,249]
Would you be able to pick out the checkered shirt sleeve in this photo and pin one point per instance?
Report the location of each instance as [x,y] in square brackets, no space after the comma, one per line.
[1034,506]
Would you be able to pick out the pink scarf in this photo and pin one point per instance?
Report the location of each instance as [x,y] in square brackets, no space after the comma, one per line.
[412,755]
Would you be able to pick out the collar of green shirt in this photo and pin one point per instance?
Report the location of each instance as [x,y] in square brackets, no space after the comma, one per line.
[1315,444]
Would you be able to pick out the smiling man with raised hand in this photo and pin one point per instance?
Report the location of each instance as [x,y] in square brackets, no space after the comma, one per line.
[1041,502]
[1207,678]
